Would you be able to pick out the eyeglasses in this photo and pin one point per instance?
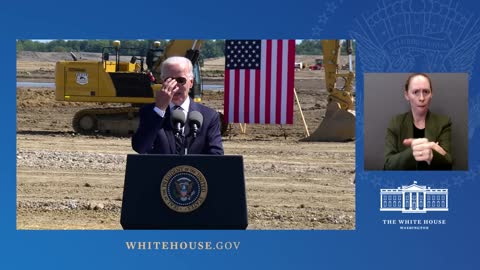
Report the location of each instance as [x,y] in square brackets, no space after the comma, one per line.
[180,80]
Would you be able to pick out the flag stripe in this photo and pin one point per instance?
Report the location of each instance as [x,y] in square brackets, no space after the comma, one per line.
[251,97]
[226,97]
[290,81]
[241,97]
[273,79]
[236,95]
[282,103]
[279,90]
[268,80]
[263,82]
[246,112]
[257,96]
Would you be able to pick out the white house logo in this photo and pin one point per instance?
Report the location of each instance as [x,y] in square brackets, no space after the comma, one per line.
[414,199]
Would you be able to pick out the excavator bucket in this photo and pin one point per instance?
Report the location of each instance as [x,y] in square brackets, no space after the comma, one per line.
[337,126]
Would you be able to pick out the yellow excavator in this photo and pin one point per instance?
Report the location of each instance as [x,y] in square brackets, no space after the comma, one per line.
[339,122]
[126,82]
[120,82]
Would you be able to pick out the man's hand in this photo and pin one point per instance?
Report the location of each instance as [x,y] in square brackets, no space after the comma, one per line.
[164,96]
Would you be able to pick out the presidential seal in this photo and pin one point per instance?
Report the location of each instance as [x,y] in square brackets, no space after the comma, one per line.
[184,189]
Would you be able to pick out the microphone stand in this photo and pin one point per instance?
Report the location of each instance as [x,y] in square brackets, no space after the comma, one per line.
[194,120]
[185,144]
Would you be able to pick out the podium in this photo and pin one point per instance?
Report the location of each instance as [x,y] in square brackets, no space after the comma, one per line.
[184,192]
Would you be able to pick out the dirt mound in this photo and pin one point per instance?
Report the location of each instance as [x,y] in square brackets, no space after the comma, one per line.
[45,97]
[51,57]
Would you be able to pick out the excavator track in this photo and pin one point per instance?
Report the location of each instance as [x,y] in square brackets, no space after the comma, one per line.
[121,121]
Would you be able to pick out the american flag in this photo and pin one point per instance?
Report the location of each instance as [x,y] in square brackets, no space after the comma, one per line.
[259,81]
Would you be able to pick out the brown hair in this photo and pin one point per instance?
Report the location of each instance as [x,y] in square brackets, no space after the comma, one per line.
[418,74]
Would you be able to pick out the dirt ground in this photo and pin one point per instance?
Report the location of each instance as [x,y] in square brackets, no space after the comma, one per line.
[71,181]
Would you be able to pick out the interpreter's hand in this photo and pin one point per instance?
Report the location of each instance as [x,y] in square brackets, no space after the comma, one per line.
[164,96]
[439,149]
[421,149]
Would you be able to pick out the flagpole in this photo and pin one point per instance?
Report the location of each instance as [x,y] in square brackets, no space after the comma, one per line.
[301,113]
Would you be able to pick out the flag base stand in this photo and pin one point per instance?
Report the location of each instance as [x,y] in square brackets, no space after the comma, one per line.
[307,134]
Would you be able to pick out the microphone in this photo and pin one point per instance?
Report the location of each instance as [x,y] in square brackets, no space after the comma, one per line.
[195,119]
[177,119]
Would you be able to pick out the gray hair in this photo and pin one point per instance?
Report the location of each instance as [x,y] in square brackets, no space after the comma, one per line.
[184,63]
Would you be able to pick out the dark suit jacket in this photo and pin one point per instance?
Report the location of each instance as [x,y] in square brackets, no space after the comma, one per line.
[155,134]
[400,157]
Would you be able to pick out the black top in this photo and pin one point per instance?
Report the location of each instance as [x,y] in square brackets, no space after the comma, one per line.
[420,133]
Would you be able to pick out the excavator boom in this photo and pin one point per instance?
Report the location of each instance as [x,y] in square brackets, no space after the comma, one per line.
[339,121]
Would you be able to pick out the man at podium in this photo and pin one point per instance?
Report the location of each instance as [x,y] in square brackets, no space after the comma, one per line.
[188,190]
[175,124]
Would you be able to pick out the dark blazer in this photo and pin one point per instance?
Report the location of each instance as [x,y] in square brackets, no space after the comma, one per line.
[400,157]
[155,134]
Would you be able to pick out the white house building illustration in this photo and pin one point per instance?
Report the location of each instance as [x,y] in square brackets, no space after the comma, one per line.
[414,199]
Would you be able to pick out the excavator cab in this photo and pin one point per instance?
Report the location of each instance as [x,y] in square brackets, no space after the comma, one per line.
[154,55]
[134,65]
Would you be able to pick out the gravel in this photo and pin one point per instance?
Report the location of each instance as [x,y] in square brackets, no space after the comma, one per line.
[71,160]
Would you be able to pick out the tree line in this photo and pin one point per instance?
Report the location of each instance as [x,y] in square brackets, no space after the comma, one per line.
[210,48]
